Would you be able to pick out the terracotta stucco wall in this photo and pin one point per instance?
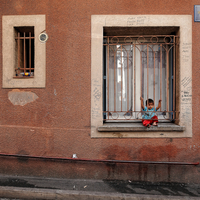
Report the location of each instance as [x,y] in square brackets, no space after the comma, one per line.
[57,123]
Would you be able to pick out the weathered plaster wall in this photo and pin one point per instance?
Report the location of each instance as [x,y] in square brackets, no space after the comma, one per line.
[58,123]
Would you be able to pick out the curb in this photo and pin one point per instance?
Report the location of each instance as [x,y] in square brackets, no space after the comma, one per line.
[33,193]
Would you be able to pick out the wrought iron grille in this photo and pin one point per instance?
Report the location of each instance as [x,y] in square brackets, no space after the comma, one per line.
[136,66]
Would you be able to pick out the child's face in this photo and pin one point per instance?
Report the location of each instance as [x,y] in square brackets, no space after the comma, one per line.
[150,106]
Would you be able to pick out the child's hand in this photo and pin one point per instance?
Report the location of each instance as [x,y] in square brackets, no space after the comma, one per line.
[159,104]
[142,105]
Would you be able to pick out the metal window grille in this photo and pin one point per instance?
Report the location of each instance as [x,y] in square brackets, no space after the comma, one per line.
[137,66]
[24,52]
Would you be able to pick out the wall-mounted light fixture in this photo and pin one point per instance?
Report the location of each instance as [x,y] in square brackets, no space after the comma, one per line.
[43,37]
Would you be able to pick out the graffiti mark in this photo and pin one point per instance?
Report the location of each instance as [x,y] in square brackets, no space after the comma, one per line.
[140,20]
[96,112]
[186,97]
[186,81]
[96,93]
[186,48]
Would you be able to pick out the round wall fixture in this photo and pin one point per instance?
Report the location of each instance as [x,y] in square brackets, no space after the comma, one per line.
[43,37]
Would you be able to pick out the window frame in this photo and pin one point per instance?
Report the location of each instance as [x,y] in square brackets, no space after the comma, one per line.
[98,22]
[9,22]
[129,44]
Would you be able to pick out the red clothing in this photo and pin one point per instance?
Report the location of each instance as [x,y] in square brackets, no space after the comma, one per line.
[146,122]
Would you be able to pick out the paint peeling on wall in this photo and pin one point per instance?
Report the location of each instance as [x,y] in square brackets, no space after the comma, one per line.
[21,98]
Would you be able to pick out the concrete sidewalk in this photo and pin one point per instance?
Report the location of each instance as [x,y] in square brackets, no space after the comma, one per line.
[21,187]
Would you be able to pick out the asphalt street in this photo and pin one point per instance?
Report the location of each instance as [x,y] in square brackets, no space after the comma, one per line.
[21,187]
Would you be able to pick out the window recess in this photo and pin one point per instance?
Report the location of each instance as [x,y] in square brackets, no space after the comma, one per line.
[24,52]
[135,66]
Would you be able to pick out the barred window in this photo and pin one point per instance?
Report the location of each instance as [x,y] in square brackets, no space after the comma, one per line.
[24,52]
[151,58]
[24,55]
[139,65]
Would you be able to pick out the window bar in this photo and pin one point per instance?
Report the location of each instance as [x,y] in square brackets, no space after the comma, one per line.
[30,53]
[108,78]
[127,81]
[134,76]
[167,51]
[24,52]
[147,75]
[18,41]
[161,74]
[174,77]
[115,80]
[154,77]
[141,76]
[121,78]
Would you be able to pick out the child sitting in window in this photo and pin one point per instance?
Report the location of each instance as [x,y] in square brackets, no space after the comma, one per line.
[149,117]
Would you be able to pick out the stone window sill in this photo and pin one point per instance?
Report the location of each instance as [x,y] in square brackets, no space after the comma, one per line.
[138,127]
